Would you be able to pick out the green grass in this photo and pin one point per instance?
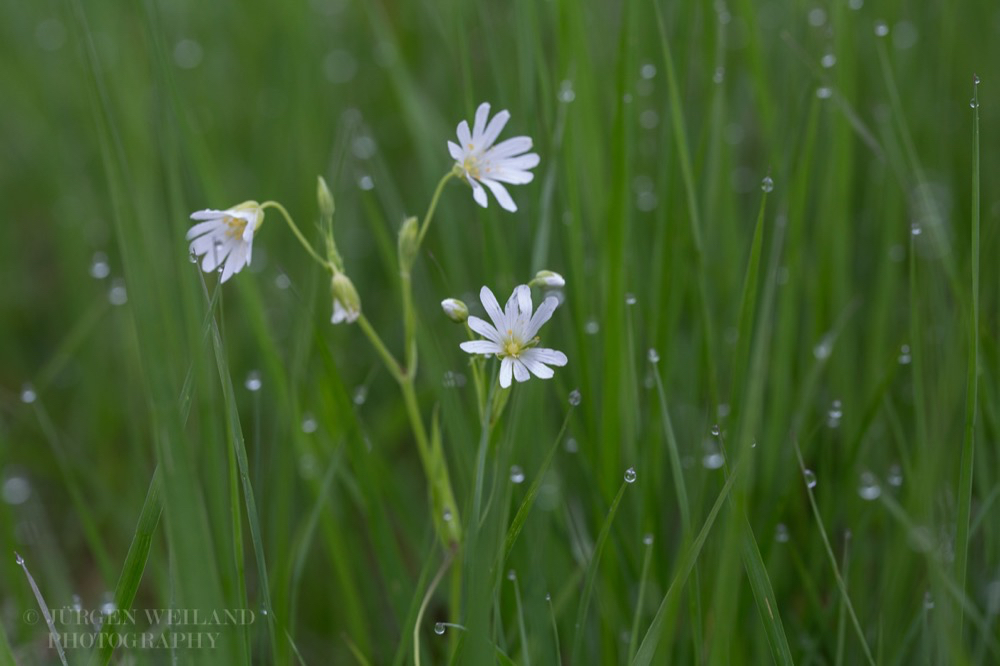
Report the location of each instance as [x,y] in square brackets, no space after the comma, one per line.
[147,474]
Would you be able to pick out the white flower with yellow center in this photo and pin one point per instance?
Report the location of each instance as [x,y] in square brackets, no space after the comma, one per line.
[224,238]
[482,163]
[513,336]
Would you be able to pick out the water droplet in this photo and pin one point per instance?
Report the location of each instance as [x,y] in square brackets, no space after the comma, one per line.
[753,443]
[719,75]
[28,394]
[834,415]
[548,597]
[575,398]
[817,17]
[439,628]
[904,355]
[869,488]
[516,474]
[648,71]
[253,382]
[566,94]
[193,257]
[108,607]
[824,92]
[974,103]
[188,53]
[446,515]
[713,460]
[366,183]
[824,347]
[648,539]
[894,476]
[828,60]
[715,430]
[928,600]
[881,29]
[571,445]
[630,299]
[975,79]
[360,395]
[810,477]
[282,281]
[781,533]
[16,490]
[630,475]
[77,603]
[453,379]
[855,4]
[592,327]
[511,575]
[117,294]
[767,184]
[627,98]
[18,558]
[649,119]
[99,268]
[309,424]
[363,147]
[653,355]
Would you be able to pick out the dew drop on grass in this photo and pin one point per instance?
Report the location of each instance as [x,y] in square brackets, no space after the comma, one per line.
[824,92]
[630,299]
[439,628]
[781,533]
[360,395]
[855,4]
[915,229]
[366,183]
[753,443]
[824,347]
[446,515]
[309,424]
[767,185]
[630,475]
[511,575]
[453,379]
[975,79]
[973,103]
[77,603]
[868,487]
[28,394]
[571,445]
[828,61]
[719,75]
[834,415]
[99,268]
[282,281]
[712,460]
[881,29]
[895,476]
[117,294]
[648,539]
[16,490]
[653,355]
[548,597]
[253,382]
[904,355]
[516,474]
[648,71]
[715,430]
[928,600]
[810,477]
[817,17]
[566,93]
[592,327]
[18,558]
[575,398]
[193,257]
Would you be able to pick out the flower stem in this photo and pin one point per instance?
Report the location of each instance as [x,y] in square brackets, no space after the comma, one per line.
[430,209]
[390,361]
[298,234]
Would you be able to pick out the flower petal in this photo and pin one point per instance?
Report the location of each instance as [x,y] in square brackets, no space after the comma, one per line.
[482,113]
[493,308]
[208,214]
[509,148]
[203,228]
[456,151]
[501,194]
[520,372]
[542,315]
[216,254]
[523,293]
[518,163]
[510,312]
[547,356]
[480,347]
[537,368]
[235,262]
[493,130]
[483,328]
[478,193]
[506,370]
[464,136]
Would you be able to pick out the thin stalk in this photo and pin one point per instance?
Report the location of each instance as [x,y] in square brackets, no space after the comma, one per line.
[430,209]
[295,230]
[423,605]
[390,361]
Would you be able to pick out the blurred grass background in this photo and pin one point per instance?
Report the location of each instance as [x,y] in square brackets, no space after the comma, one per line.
[118,121]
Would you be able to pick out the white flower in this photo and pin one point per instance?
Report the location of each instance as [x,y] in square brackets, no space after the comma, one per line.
[512,336]
[455,310]
[225,236]
[482,163]
[548,279]
[346,303]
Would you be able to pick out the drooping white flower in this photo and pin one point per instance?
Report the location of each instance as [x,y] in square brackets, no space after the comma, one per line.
[455,310]
[346,303]
[482,163]
[513,336]
[224,238]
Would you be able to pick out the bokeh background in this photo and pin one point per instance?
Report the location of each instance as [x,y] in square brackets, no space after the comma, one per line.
[118,120]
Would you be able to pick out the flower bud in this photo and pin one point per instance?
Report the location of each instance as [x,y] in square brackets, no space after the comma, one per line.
[324,199]
[548,279]
[346,303]
[455,310]
[408,244]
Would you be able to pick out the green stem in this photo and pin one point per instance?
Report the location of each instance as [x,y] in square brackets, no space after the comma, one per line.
[390,361]
[430,209]
[409,326]
[295,230]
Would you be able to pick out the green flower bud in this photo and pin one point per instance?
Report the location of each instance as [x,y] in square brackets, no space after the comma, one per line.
[548,279]
[346,303]
[455,309]
[408,244]
[324,199]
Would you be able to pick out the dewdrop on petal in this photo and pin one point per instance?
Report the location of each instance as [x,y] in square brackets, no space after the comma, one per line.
[455,310]
[548,279]
[346,303]
[224,238]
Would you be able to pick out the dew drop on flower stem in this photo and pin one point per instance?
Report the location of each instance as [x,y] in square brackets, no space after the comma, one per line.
[715,430]
[915,229]
[511,575]
[446,515]
[781,533]
[516,474]
[18,559]
[767,184]
[653,355]
[575,398]
[439,628]
[630,475]
[869,488]
[253,382]
[360,395]
[828,60]
[28,394]
[648,539]
[810,477]
[895,476]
